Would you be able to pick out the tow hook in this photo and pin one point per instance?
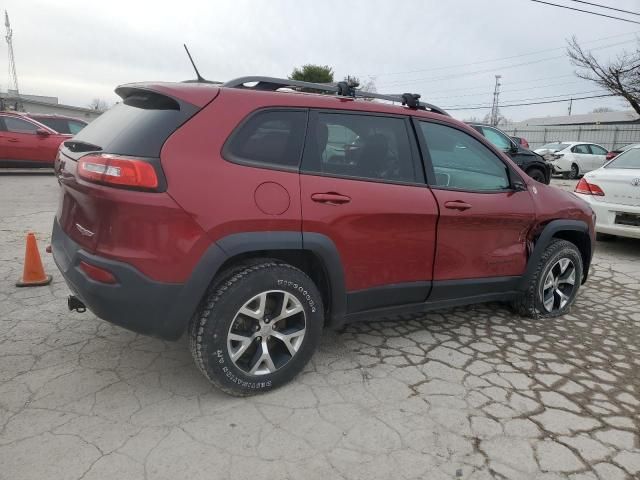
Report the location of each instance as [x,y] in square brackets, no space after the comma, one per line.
[74,303]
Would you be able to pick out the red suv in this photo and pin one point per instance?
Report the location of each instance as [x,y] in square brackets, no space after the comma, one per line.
[251,218]
[25,142]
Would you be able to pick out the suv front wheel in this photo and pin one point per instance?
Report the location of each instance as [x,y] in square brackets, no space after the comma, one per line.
[257,327]
[554,285]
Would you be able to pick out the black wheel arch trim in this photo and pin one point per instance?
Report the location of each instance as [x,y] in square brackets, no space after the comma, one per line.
[550,231]
[242,243]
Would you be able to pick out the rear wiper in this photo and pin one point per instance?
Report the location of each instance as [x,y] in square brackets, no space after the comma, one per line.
[80,146]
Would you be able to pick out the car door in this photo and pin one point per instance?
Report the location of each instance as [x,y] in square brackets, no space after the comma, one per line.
[362,187]
[485,213]
[582,156]
[598,156]
[28,142]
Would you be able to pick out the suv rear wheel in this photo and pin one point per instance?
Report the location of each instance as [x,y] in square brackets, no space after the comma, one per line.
[257,327]
[555,283]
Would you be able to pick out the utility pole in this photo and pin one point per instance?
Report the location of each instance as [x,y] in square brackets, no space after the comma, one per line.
[13,75]
[570,105]
[494,107]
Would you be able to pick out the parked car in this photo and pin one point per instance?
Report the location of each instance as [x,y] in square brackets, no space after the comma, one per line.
[613,153]
[532,164]
[59,123]
[521,141]
[613,191]
[572,159]
[25,142]
[220,211]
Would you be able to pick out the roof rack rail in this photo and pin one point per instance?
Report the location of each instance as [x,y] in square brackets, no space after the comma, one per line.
[345,89]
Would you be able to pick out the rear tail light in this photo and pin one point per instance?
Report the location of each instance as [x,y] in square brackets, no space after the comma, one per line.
[586,188]
[119,171]
[96,273]
[610,155]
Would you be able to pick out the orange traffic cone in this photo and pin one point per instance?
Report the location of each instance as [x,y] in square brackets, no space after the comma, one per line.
[33,274]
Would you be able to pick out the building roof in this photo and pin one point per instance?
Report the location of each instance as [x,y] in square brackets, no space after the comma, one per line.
[627,116]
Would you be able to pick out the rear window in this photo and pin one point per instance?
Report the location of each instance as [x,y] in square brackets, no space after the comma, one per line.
[629,159]
[138,126]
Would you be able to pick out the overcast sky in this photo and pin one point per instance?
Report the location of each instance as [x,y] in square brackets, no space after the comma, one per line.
[78,50]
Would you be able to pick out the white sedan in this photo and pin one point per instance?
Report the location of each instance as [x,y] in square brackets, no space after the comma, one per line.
[613,191]
[572,159]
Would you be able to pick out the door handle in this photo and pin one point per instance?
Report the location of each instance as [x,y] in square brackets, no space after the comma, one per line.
[330,198]
[457,205]
[13,140]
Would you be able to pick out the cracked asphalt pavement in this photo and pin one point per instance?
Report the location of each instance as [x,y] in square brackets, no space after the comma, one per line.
[468,393]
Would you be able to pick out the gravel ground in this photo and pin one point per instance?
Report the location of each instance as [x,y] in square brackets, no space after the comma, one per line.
[468,393]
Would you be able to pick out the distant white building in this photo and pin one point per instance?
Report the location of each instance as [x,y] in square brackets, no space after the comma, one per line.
[44,104]
[605,118]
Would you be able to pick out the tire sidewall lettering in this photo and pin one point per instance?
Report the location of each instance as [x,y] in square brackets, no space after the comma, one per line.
[299,289]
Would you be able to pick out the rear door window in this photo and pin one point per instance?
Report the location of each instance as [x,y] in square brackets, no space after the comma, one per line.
[270,137]
[596,150]
[581,149]
[362,146]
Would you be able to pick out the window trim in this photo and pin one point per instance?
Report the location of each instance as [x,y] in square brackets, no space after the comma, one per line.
[512,174]
[227,155]
[418,167]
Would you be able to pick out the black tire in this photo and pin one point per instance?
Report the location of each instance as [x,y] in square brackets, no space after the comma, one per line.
[575,172]
[537,174]
[212,323]
[530,303]
[605,237]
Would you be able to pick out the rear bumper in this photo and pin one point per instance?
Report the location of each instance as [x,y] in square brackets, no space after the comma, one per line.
[135,302]
[606,216]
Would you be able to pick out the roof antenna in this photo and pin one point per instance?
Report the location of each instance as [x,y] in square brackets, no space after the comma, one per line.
[199,77]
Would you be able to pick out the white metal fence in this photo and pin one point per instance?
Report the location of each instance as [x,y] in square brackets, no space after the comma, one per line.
[609,136]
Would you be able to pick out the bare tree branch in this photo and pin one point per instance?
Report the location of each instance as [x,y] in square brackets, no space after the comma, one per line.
[620,76]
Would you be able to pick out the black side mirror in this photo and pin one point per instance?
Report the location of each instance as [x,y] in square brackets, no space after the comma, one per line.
[514,148]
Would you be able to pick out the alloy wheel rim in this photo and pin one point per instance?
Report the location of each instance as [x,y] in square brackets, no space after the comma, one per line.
[266,332]
[559,285]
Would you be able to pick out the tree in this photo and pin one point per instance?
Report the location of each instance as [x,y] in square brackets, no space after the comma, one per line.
[602,110]
[366,86]
[620,76]
[312,73]
[502,120]
[98,104]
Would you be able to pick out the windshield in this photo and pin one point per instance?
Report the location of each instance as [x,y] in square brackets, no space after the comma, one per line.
[555,146]
[629,159]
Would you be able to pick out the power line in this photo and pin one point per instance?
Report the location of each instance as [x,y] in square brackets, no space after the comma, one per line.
[599,91]
[491,69]
[586,11]
[484,92]
[497,59]
[607,7]
[534,103]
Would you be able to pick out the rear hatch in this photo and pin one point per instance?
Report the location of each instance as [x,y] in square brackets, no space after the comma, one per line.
[137,127]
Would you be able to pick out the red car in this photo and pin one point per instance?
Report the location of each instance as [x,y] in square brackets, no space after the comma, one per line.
[252,218]
[25,142]
[521,141]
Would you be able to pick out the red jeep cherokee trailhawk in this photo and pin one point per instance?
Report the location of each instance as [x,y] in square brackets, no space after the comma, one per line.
[251,218]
